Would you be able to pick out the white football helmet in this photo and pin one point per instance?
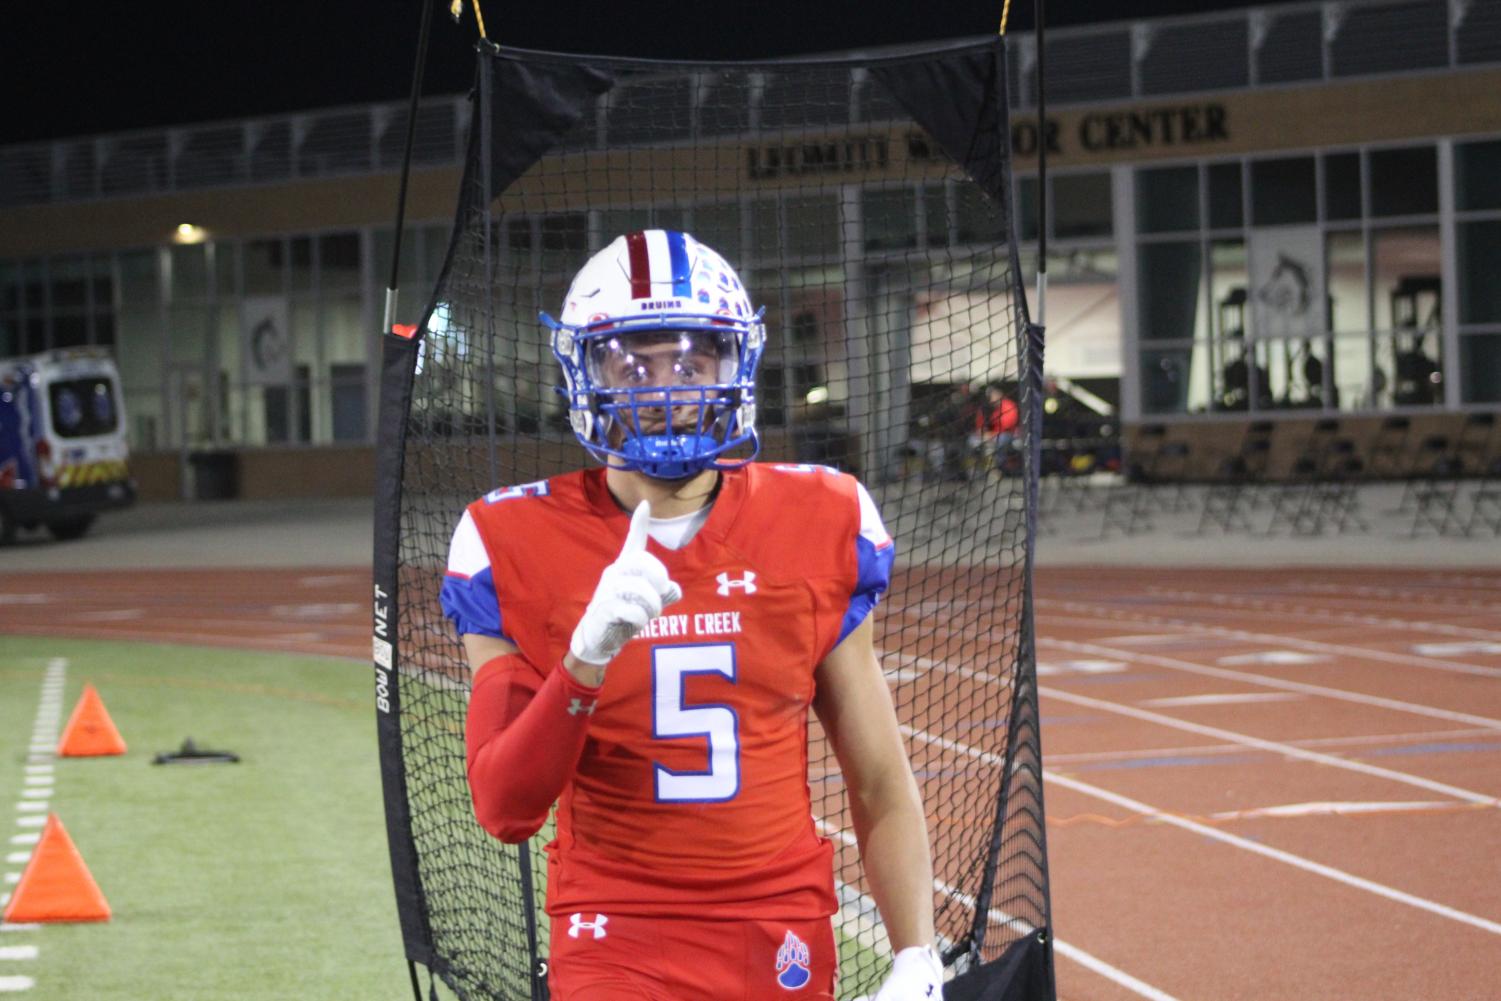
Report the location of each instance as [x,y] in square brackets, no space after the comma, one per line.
[659,345]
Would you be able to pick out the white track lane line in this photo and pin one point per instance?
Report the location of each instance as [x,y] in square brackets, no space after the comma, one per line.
[1073,952]
[1275,747]
[1368,740]
[1287,609]
[1189,667]
[1215,834]
[1115,615]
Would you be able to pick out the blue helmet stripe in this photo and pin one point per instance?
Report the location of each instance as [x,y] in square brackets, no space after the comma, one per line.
[677,251]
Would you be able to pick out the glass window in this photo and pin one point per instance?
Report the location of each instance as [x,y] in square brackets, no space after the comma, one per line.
[1404,181]
[1480,272]
[1226,204]
[765,229]
[1167,199]
[1480,367]
[339,260]
[718,225]
[69,277]
[565,241]
[434,253]
[1026,208]
[1342,186]
[1477,167]
[302,263]
[83,407]
[1081,205]
[190,329]
[1175,379]
[813,226]
[226,269]
[34,288]
[264,267]
[189,271]
[1169,300]
[1283,191]
[10,337]
[10,286]
[890,218]
[410,275]
[936,214]
[1345,277]
[976,219]
[70,330]
[140,285]
[1408,291]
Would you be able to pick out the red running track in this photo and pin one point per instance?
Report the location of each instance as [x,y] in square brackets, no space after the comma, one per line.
[1265,784]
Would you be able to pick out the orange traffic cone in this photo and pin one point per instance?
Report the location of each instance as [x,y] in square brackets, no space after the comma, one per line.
[90,731]
[56,885]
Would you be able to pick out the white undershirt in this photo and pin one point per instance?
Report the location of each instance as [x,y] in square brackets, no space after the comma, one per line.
[675,533]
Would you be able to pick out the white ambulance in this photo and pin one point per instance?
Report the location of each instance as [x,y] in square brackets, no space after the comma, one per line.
[62,442]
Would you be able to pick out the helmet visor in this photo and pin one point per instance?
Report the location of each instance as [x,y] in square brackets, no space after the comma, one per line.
[663,359]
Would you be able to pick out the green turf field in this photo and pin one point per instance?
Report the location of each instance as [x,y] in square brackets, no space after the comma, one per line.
[267,879]
[263,879]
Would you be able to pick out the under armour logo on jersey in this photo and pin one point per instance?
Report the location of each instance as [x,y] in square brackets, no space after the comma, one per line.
[793,962]
[577,706]
[746,583]
[576,924]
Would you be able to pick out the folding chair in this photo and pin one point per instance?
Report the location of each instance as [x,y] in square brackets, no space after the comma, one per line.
[1339,491]
[1229,497]
[1298,503]
[1437,496]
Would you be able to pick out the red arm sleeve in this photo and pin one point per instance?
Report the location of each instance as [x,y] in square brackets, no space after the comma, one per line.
[523,738]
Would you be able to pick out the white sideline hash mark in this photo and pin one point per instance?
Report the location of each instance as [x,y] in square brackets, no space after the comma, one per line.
[25,839]
[4,927]
[1222,700]
[1273,657]
[15,985]
[18,858]
[1080,667]
[1454,649]
[36,820]
[18,952]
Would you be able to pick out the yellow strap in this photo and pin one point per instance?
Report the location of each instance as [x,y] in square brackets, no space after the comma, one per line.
[1005,16]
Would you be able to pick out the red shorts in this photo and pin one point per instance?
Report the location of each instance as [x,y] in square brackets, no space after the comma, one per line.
[608,957]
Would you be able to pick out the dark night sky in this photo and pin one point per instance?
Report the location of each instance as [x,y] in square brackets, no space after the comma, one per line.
[82,68]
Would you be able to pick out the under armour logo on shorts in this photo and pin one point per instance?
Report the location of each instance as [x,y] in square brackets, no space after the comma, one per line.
[577,706]
[747,583]
[576,924]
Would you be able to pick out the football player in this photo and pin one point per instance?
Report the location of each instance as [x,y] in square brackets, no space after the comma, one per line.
[646,640]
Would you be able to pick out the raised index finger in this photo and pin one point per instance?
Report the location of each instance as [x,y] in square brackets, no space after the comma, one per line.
[635,537]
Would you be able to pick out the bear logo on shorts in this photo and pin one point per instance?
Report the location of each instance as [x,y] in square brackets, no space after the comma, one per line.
[793,963]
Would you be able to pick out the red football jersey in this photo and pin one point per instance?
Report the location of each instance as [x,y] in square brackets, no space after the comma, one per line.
[692,792]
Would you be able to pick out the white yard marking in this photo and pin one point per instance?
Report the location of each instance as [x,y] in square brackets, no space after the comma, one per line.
[1274,657]
[35,820]
[1189,667]
[111,615]
[1276,747]
[45,793]
[1047,668]
[18,858]
[18,952]
[1215,834]
[38,780]
[29,838]
[14,985]
[1454,649]
[4,927]
[13,877]
[1223,700]
[1105,613]
[32,806]
[38,769]
[1334,809]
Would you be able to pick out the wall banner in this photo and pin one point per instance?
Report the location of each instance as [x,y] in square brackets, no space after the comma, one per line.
[267,336]
[1287,283]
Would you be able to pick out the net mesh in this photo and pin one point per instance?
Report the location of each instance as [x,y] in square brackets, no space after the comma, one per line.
[889,280]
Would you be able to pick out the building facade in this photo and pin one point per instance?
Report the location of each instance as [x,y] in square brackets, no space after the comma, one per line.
[1276,213]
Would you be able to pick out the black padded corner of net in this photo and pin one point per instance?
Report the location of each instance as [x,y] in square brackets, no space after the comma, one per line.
[864,199]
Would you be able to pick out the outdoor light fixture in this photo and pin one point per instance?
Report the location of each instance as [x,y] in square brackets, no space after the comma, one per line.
[189,233]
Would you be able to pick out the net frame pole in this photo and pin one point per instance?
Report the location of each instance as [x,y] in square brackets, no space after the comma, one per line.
[423,34]
[1042,164]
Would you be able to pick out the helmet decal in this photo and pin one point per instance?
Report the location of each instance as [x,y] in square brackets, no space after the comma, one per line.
[659,345]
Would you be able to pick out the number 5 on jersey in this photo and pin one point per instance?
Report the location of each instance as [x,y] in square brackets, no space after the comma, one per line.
[672,718]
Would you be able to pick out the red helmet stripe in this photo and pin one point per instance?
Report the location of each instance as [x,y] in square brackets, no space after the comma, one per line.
[640,266]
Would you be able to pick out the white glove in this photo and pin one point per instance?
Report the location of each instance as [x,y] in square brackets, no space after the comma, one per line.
[916,975]
[631,592]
